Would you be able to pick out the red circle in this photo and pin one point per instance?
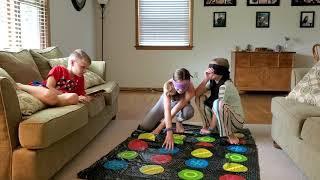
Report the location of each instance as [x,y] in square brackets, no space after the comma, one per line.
[231,177]
[137,145]
[161,158]
[205,144]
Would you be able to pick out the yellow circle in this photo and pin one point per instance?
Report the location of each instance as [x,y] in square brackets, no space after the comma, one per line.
[239,135]
[235,167]
[201,153]
[147,136]
[151,169]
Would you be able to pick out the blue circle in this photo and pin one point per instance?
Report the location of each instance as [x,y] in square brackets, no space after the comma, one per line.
[237,148]
[175,150]
[197,163]
[115,165]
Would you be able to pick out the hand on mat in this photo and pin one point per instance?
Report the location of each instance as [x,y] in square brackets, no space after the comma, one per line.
[168,142]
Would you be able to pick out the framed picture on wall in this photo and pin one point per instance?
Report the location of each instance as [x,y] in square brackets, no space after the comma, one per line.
[305,2]
[219,19]
[220,2]
[263,2]
[307,19]
[262,19]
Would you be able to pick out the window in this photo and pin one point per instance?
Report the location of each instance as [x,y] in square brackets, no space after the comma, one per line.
[24,24]
[164,24]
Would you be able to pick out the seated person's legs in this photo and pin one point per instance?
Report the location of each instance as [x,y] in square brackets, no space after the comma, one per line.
[186,113]
[67,99]
[45,95]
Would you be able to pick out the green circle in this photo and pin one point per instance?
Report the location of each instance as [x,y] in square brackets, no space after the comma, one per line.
[207,139]
[178,141]
[127,155]
[189,174]
[234,157]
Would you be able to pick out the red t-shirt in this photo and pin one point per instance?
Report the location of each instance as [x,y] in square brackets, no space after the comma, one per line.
[65,83]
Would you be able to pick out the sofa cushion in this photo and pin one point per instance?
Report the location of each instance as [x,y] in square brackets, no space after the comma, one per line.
[310,132]
[28,103]
[48,126]
[49,52]
[308,89]
[96,105]
[42,63]
[4,73]
[90,78]
[20,66]
[295,109]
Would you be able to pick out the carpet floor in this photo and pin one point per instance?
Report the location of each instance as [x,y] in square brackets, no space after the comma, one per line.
[274,163]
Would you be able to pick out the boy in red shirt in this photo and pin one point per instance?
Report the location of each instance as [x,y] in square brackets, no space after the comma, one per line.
[64,86]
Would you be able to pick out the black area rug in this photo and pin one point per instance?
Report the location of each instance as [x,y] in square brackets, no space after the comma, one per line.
[129,168]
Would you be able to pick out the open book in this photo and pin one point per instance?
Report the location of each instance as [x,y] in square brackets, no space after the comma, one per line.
[95,92]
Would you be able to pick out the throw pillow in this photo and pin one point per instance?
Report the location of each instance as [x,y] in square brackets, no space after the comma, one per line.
[49,52]
[28,103]
[308,89]
[42,63]
[20,66]
[90,78]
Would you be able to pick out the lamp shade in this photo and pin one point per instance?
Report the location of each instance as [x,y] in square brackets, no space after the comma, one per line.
[104,2]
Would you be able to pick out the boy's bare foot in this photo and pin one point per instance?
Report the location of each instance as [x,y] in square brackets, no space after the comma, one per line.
[232,139]
[18,86]
[204,131]
[179,127]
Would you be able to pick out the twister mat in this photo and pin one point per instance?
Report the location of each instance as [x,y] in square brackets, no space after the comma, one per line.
[194,156]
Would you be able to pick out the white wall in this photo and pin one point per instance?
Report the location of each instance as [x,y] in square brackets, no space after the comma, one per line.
[150,68]
[71,29]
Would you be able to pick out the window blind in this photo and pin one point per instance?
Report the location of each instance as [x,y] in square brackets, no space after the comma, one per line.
[164,23]
[24,24]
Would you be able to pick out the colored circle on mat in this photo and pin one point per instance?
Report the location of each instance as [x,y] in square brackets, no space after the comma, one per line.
[239,135]
[177,141]
[206,139]
[237,148]
[175,150]
[201,153]
[161,158]
[204,144]
[147,136]
[151,169]
[137,145]
[178,138]
[234,157]
[115,165]
[231,177]
[235,167]
[197,163]
[127,155]
[189,174]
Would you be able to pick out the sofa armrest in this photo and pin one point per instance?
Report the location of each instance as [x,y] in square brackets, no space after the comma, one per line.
[98,67]
[10,117]
[297,74]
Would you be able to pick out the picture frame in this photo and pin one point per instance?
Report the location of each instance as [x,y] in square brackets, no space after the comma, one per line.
[305,3]
[262,19]
[307,19]
[219,19]
[263,2]
[220,2]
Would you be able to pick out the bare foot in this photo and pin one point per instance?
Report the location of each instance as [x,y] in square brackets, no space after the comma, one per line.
[18,86]
[179,127]
[232,139]
[204,131]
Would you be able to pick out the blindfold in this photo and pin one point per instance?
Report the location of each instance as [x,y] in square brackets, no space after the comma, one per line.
[183,86]
[219,70]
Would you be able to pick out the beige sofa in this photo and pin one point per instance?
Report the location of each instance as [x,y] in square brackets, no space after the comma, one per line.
[296,129]
[35,147]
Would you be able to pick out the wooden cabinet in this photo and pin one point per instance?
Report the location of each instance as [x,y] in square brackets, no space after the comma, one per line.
[262,71]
